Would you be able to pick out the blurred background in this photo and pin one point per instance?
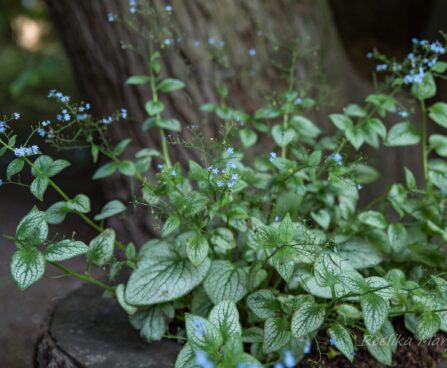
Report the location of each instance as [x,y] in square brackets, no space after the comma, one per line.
[33,60]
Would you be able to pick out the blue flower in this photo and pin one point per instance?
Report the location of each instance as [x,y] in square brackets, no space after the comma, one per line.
[160,166]
[220,183]
[173,172]
[197,43]
[26,151]
[369,55]
[2,126]
[211,40]
[222,44]
[307,347]
[278,365]
[332,341]
[336,157]
[289,359]
[272,156]
[410,56]
[298,101]
[359,186]
[107,120]
[403,114]
[277,218]
[169,8]
[16,115]
[110,17]
[202,360]
[67,117]
[167,41]
[41,132]
[381,67]
[124,113]
[414,40]
[199,326]
[1,182]
[230,150]
[232,165]
[215,171]
[133,6]
[252,52]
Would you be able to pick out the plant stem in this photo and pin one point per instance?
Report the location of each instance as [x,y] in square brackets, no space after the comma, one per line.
[424,141]
[85,278]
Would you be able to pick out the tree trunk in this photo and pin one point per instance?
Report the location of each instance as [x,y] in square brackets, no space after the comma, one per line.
[102,66]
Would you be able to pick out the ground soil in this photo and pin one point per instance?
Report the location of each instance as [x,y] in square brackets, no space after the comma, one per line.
[428,354]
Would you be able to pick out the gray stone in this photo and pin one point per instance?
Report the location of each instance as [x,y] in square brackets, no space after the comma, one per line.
[89,331]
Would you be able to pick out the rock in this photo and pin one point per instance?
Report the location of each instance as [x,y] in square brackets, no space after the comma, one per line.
[89,331]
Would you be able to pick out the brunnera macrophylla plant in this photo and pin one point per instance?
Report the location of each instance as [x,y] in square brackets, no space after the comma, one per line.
[260,260]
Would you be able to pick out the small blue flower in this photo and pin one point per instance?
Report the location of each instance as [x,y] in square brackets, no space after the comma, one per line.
[202,360]
[289,359]
[410,56]
[272,156]
[110,17]
[222,44]
[173,172]
[220,183]
[307,347]
[41,132]
[369,55]
[87,106]
[252,52]
[46,123]
[209,168]
[381,67]
[298,101]
[232,165]
[277,219]
[332,341]
[403,114]
[16,115]
[169,8]
[167,41]
[359,186]
[160,167]
[124,113]
[414,40]
[278,365]
[336,157]
[67,117]
[197,43]
[215,171]
[211,40]
[133,6]
[230,150]
[2,126]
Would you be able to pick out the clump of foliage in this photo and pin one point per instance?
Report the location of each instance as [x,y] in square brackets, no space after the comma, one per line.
[259,260]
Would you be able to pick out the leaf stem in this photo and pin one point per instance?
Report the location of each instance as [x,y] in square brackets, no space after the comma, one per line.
[82,277]
[424,141]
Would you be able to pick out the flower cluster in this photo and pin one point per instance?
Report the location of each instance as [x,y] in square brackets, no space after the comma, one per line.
[2,126]
[289,361]
[225,176]
[58,96]
[26,151]
[133,6]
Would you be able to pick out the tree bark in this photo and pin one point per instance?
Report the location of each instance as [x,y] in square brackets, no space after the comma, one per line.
[102,66]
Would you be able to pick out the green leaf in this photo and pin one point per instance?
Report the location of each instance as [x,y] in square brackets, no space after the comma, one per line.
[80,203]
[197,249]
[169,124]
[170,85]
[120,292]
[308,318]
[373,219]
[402,134]
[154,107]
[41,165]
[322,218]
[202,334]
[127,168]
[197,172]
[226,318]
[378,347]
[267,113]
[377,126]
[186,358]
[439,143]
[355,137]
[39,186]
[342,340]
[170,225]
[341,121]
[427,326]
[110,209]
[163,276]
[64,250]
[120,147]
[149,124]
[410,180]
[155,323]
[56,167]
[439,67]
[382,102]
[438,113]
[305,127]
[100,250]
[33,229]
[14,167]
[105,171]
[248,137]
[374,310]
[263,303]
[287,230]
[27,266]
[226,281]
[283,137]
[426,89]
[138,79]
[276,334]
[397,236]
[56,213]
[355,111]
